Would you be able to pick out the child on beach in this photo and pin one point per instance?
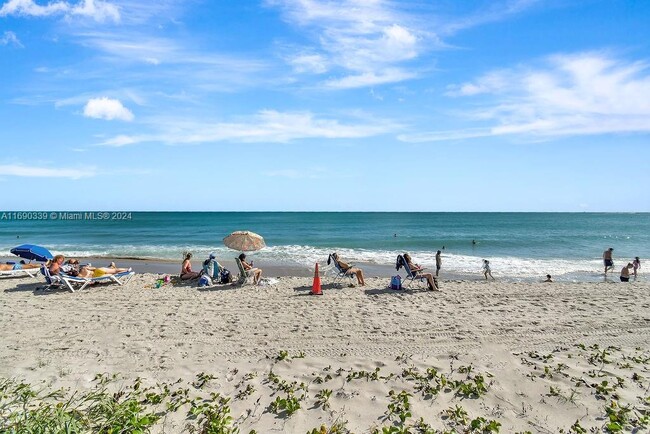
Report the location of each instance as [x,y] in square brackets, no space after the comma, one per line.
[486,269]
[548,279]
[636,264]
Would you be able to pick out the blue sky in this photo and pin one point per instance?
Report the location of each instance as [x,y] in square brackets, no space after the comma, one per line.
[494,105]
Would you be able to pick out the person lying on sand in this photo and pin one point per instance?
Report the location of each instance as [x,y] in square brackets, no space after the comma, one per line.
[548,279]
[349,269]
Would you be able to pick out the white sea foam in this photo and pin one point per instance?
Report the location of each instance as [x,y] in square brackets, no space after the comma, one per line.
[306,256]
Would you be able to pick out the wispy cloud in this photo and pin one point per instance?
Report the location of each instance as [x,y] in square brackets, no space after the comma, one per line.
[578,94]
[365,41]
[46,172]
[268,126]
[10,38]
[108,109]
[96,9]
[494,12]
[373,42]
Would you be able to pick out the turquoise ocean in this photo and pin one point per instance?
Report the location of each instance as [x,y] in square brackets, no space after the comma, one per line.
[519,245]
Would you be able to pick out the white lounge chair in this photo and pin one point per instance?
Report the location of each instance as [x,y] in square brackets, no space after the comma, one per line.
[53,281]
[81,282]
[21,272]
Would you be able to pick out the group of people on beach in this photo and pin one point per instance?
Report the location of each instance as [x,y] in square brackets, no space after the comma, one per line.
[634,265]
[188,274]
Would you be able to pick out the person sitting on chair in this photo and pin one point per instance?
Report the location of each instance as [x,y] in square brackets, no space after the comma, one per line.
[349,269]
[417,271]
[54,264]
[250,270]
[18,266]
[186,268]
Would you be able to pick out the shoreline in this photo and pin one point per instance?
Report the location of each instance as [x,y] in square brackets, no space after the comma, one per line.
[274,269]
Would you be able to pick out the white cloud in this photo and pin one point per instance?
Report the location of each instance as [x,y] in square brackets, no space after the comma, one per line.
[96,9]
[10,38]
[369,79]
[46,172]
[268,126]
[580,94]
[106,108]
[367,40]
[309,63]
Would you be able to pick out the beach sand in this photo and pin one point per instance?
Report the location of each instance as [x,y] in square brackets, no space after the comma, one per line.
[540,349]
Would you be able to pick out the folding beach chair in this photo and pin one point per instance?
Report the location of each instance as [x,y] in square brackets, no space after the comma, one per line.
[72,281]
[339,272]
[53,281]
[245,277]
[410,275]
[21,272]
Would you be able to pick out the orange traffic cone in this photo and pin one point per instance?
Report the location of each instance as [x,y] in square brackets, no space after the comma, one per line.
[315,289]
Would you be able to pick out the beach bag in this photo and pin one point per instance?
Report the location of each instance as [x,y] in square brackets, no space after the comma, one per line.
[396,282]
[205,281]
[224,276]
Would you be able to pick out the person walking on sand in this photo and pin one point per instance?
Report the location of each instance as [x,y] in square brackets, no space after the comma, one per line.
[636,264]
[607,260]
[625,272]
[486,269]
[438,263]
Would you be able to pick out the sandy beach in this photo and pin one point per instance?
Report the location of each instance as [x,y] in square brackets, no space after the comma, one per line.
[534,345]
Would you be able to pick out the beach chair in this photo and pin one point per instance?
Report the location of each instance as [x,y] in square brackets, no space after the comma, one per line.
[213,270]
[53,281]
[410,275]
[339,273]
[245,277]
[82,282]
[21,272]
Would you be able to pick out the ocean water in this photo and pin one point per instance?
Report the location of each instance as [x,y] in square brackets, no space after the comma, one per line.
[519,245]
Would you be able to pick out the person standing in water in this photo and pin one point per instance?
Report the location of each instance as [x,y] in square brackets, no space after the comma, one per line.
[438,263]
[607,259]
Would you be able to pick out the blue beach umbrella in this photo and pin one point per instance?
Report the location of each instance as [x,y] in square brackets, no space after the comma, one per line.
[32,252]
